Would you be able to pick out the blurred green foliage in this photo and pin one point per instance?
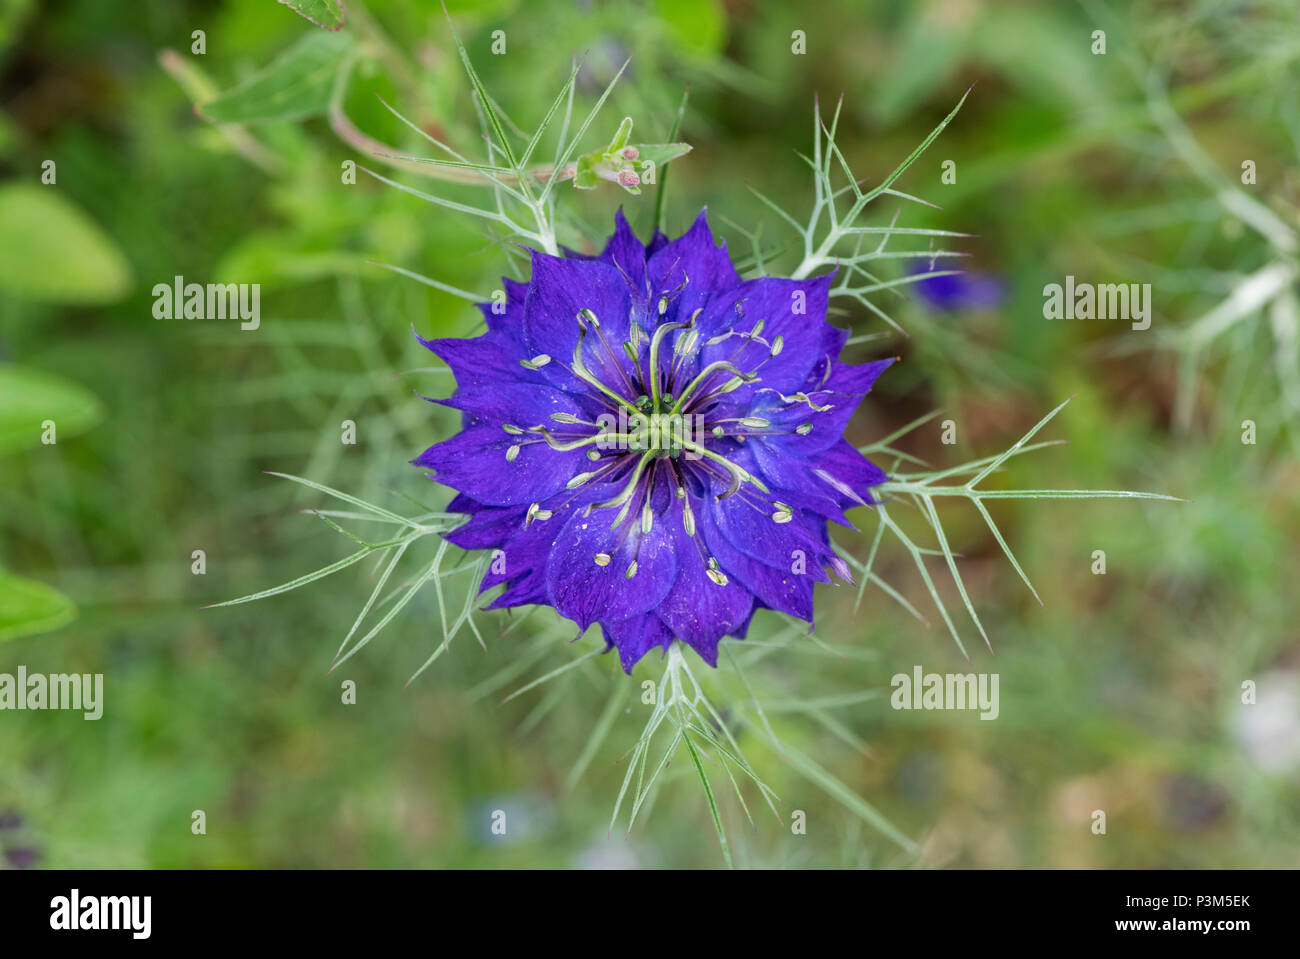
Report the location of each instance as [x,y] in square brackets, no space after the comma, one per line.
[1122,693]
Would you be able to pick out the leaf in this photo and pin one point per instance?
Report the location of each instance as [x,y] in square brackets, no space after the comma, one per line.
[297,84]
[660,195]
[836,789]
[52,252]
[584,177]
[661,153]
[29,397]
[485,101]
[28,607]
[326,14]
[621,136]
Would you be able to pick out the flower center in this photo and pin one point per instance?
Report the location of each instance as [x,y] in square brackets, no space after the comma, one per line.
[660,425]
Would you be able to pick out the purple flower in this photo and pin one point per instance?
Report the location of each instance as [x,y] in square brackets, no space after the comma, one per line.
[958,291]
[653,444]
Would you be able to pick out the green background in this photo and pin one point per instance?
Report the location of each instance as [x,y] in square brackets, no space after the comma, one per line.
[1121,693]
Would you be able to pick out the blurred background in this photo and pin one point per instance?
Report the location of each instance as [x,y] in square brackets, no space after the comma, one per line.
[1123,692]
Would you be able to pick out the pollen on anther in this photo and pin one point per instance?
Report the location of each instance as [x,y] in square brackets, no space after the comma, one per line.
[578,480]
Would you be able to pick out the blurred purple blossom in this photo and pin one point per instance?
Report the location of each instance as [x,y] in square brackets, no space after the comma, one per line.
[954,292]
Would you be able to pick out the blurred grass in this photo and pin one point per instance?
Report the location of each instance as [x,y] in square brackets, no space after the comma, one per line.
[1121,694]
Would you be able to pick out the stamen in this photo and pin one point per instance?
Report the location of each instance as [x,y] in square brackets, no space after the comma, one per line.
[705,373]
[739,475]
[566,447]
[802,397]
[715,574]
[535,511]
[662,330]
[585,317]
[624,498]
[581,372]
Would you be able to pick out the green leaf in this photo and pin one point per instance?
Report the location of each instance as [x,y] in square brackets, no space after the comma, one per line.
[836,789]
[297,84]
[485,101]
[28,607]
[326,14]
[52,252]
[29,397]
[661,153]
[621,136]
[677,129]
[584,178]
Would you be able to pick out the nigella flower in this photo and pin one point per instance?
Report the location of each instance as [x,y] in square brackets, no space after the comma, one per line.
[653,444]
[958,291]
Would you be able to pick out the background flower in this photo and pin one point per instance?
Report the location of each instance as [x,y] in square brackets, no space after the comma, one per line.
[965,290]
